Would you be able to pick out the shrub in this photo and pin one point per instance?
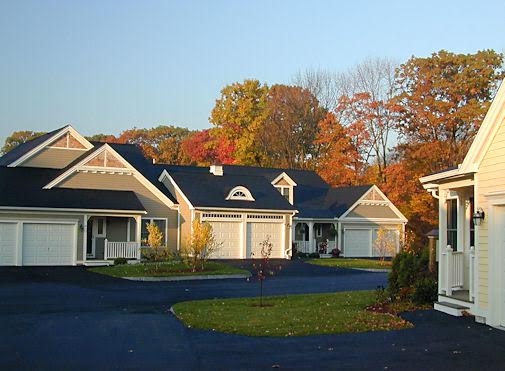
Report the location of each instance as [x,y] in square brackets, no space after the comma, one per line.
[157,254]
[335,253]
[410,278]
[120,261]
[313,255]
[200,246]
[302,255]
[425,291]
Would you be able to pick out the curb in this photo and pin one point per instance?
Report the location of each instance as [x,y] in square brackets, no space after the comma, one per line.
[188,278]
[373,270]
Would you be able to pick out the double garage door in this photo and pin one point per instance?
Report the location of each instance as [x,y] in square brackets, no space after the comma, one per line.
[232,236]
[37,243]
[359,242]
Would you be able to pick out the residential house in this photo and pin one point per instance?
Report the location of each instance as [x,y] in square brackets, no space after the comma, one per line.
[471,200]
[65,201]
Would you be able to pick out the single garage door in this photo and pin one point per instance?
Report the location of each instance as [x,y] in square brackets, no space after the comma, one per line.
[8,238]
[357,243]
[259,232]
[228,234]
[48,244]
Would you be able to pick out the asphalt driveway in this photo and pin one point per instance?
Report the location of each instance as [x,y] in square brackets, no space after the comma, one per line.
[69,318]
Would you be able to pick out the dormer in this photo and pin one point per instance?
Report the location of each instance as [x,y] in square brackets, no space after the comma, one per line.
[285,185]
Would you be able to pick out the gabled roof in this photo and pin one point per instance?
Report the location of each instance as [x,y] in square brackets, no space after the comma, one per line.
[23,187]
[26,147]
[205,190]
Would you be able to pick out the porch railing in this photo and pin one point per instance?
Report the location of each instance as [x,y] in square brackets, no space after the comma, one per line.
[303,246]
[472,276]
[454,265]
[128,250]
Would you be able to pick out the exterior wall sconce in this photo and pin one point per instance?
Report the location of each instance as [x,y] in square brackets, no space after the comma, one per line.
[478,216]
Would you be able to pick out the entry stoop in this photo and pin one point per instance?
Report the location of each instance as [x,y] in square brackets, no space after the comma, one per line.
[450,308]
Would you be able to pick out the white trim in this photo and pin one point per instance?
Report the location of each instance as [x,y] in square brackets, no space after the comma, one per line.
[121,212]
[487,131]
[34,151]
[438,176]
[164,175]
[371,220]
[401,217]
[239,210]
[286,177]
[232,195]
[137,174]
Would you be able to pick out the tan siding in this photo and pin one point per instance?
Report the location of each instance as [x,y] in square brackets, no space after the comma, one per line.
[185,217]
[55,158]
[154,206]
[282,182]
[489,179]
[372,211]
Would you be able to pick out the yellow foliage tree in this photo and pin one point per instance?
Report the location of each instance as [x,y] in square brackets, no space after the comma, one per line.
[200,246]
[386,242]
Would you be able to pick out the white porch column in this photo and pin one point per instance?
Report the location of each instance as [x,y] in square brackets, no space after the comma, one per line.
[339,236]
[138,228]
[312,243]
[84,237]
[442,234]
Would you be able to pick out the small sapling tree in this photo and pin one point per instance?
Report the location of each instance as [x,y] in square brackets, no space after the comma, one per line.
[200,246]
[262,264]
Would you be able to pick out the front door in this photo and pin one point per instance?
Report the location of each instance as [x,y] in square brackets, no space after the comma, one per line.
[98,234]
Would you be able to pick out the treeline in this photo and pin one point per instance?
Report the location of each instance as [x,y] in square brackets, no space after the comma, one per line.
[379,122]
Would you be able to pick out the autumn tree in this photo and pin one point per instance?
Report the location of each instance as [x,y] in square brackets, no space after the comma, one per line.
[199,148]
[287,136]
[237,116]
[162,143]
[338,158]
[442,102]
[19,137]
[109,138]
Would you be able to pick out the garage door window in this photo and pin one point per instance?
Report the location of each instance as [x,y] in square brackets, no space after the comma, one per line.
[160,222]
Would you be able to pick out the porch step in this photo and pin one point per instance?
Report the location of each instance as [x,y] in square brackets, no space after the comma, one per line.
[97,263]
[450,308]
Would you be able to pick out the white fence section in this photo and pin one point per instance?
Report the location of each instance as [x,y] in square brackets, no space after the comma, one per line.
[453,264]
[128,250]
[303,246]
[473,271]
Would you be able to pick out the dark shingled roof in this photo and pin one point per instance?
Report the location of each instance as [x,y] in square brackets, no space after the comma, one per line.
[313,197]
[207,190]
[24,148]
[23,187]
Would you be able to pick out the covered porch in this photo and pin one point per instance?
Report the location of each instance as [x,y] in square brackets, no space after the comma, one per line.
[315,236]
[457,261]
[107,237]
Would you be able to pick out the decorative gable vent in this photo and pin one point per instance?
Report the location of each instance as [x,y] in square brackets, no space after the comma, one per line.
[105,159]
[240,193]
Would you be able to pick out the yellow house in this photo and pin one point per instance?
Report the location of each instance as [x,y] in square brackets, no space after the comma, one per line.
[472,224]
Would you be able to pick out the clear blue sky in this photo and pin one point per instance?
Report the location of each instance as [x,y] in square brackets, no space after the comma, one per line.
[106,66]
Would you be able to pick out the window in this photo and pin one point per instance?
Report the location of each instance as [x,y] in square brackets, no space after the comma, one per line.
[160,222]
[452,223]
[319,230]
[240,193]
[284,191]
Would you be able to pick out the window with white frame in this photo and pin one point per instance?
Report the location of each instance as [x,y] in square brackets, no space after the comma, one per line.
[452,223]
[160,222]
[285,191]
[319,230]
[240,193]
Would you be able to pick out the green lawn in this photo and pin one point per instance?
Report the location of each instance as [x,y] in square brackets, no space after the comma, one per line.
[165,270]
[352,263]
[292,315]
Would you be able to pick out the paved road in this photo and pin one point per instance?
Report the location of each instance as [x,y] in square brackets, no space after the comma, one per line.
[69,318]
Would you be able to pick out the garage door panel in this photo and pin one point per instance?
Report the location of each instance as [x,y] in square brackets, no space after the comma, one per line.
[48,244]
[8,241]
[228,234]
[357,243]
[259,232]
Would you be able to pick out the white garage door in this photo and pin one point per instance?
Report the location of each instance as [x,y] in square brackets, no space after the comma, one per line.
[8,237]
[357,243]
[228,234]
[259,232]
[48,244]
